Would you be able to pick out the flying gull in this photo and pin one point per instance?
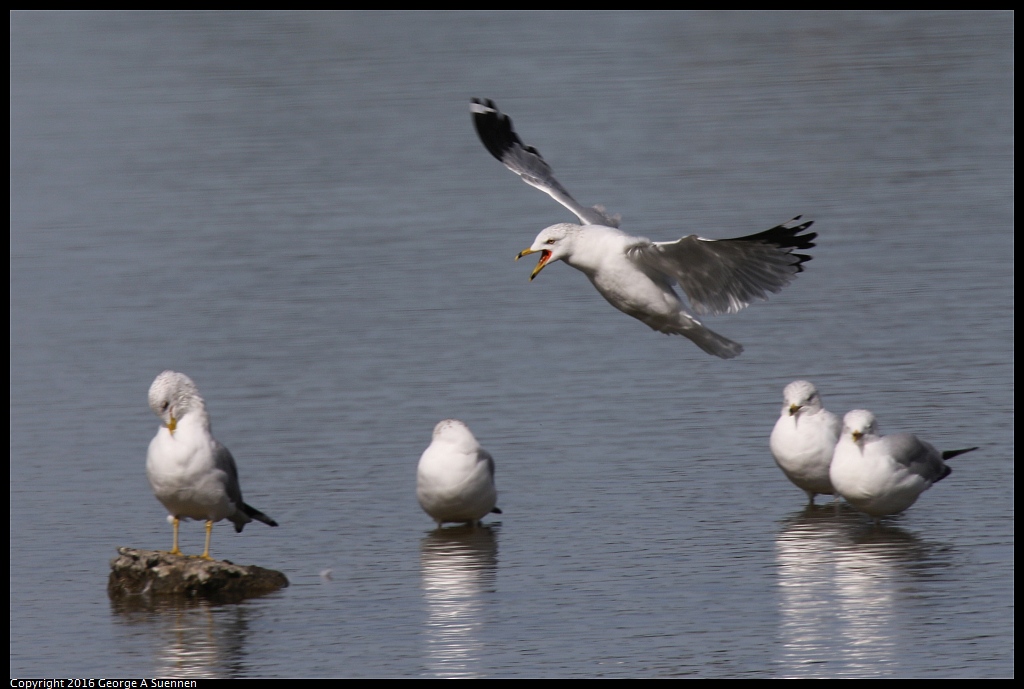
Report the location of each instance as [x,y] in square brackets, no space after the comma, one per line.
[636,275]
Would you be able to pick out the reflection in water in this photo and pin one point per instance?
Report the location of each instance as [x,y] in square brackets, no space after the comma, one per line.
[841,582]
[195,637]
[458,567]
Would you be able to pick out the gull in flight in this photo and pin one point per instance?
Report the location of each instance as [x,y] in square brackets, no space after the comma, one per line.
[192,474]
[637,275]
[804,439]
[883,475]
[455,477]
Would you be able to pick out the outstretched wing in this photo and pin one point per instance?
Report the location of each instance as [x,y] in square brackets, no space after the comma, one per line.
[726,275]
[495,131]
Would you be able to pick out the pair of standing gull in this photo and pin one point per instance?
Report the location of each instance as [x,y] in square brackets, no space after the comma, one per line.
[878,475]
[195,477]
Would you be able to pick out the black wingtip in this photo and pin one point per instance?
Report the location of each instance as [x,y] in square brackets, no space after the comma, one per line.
[496,510]
[495,128]
[950,454]
[787,236]
[251,511]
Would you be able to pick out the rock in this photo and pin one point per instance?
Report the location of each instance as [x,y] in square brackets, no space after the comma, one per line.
[151,572]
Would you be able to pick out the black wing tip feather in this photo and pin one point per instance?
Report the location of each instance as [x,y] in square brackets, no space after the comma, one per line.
[495,128]
[496,510]
[787,236]
[251,511]
[950,454]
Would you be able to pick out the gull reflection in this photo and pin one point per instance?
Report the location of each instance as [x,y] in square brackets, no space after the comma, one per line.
[842,584]
[459,566]
[190,637]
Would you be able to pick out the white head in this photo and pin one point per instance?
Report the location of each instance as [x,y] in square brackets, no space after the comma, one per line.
[554,244]
[858,425]
[454,432]
[800,396]
[172,395]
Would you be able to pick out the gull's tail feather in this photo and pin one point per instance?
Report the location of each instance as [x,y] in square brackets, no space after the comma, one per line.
[710,341]
[251,513]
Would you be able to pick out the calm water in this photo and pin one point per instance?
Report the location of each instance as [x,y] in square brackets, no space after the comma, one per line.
[294,210]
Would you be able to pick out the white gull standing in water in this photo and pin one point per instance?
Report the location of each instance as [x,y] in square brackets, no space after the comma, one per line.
[455,476]
[636,275]
[883,475]
[804,439]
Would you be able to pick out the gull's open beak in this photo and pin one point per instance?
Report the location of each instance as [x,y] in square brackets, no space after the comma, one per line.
[793,409]
[544,256]
[857,435]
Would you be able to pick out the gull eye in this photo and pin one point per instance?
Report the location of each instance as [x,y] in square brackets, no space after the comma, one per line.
[163,407]
[550,241]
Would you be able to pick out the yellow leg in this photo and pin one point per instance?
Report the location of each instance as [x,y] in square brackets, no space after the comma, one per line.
[206,550]
[174,550]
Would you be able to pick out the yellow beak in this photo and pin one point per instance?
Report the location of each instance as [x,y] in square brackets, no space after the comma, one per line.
[544,256]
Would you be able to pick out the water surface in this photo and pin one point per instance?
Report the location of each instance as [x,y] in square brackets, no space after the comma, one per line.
[294,210]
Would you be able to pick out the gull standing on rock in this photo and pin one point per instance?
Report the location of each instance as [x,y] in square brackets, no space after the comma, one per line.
[192,474]
[455,476]
[636,275]
[804,439]
[884,475]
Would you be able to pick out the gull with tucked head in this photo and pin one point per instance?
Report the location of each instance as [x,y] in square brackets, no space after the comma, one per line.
[884,475]
[636,275]
[455,476]
[192,474]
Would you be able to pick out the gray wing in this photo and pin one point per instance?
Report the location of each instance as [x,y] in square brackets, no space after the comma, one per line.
[483,455]
[726,275]
[226,463]
[917,456]
[495,131]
